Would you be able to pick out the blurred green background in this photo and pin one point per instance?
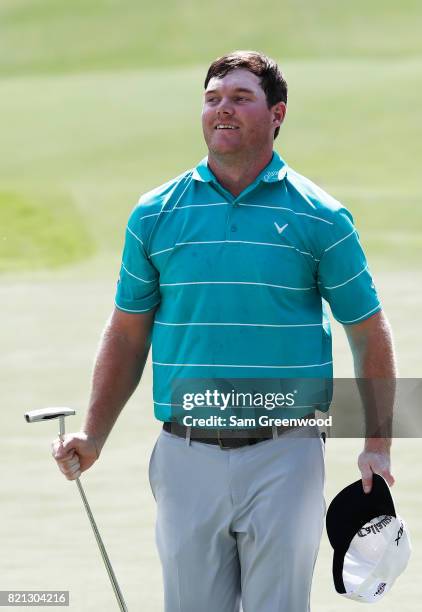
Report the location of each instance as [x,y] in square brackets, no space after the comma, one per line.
[100,101]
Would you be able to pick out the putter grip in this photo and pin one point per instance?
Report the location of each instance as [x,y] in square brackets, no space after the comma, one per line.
[62,428]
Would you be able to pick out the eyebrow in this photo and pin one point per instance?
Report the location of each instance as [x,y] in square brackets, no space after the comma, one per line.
[237,90]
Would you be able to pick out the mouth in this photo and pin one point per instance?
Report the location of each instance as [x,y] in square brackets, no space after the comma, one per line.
[226,126]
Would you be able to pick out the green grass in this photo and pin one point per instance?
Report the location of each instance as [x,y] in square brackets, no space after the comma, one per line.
[40,230]
[56,36]
[103,138]
[101,101]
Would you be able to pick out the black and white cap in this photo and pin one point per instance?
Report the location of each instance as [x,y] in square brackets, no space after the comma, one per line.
[370,541]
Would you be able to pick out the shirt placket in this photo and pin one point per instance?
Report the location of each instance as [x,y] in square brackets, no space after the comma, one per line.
[232,221]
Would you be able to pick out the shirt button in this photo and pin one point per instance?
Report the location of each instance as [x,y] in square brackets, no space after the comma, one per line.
[234,228]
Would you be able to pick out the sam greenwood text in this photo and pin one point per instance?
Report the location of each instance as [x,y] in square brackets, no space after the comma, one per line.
[261,421]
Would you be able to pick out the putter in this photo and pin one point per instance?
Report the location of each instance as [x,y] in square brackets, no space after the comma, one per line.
[60,413]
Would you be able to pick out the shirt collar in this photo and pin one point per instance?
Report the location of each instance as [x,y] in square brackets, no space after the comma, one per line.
[275,171]
[202,172]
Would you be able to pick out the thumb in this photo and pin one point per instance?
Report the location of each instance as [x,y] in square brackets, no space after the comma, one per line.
[59,450]
[71,444]
[81,444]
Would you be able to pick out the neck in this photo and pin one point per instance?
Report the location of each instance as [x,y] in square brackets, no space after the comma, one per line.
[235,174]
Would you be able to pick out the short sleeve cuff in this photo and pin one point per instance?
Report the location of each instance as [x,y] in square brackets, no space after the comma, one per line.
[139,306]
[361,317]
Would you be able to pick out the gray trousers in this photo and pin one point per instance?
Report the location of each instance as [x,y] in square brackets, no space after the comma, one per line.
[238,529]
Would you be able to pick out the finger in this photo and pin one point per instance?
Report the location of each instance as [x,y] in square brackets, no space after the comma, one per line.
[75,468]
[69,444]
[60,454]
[366,478]
[73,441]
[56,447]
[71,462]
[381,465]
[74,463]
[388,477]
[62,447]
[56,444]
[73,475]
[71,472]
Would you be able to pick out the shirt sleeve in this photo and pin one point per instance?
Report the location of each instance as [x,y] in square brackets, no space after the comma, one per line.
[344,279]
[138,287]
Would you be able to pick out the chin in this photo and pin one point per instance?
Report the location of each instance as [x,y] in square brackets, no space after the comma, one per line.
[222,144]
[224,148]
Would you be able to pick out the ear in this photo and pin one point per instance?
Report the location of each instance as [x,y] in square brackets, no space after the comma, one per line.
[279,111]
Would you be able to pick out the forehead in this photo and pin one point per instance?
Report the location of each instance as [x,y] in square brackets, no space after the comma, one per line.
[240,78]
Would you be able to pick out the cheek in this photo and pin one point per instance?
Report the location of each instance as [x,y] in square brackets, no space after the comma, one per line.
[259,122]
[207,126]
[207,117]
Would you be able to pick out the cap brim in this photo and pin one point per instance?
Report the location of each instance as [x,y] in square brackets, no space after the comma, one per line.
[348,512]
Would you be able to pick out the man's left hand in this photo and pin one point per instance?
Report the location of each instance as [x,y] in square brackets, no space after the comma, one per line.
[375,459]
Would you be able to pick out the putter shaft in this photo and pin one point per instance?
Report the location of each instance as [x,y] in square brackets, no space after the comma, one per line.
[61,413]
[113,580]
[104,555]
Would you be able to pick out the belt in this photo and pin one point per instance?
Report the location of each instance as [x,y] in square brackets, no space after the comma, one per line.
[229,438]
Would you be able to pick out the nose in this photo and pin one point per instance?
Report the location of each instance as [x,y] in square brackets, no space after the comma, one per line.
[225,108]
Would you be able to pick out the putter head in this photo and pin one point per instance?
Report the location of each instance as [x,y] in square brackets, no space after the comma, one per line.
[48,413]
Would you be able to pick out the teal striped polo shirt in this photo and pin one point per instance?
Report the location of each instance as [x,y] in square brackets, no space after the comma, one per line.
[241,283]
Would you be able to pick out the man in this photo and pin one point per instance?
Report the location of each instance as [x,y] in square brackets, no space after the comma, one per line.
[226,266]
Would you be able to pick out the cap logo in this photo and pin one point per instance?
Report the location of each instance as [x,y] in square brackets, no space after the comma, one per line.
[381,588]
[376,528]
[399,534]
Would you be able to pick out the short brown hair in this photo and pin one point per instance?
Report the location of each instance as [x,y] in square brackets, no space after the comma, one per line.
[272,80]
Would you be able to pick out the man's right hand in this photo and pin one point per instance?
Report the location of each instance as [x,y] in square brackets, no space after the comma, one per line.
[75,454]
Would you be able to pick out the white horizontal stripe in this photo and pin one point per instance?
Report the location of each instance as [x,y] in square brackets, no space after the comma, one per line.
[159,252]
[236,283]
[234,365]
[128,310]
[201,205]
[313,217]
[362,317]
[201,242]
[338,241]
[153,215]
[306,253]
[240,324]
[284,246]
[182,207]
[289,209]
[239,204]
[137,277]
[348,280]
[133,234]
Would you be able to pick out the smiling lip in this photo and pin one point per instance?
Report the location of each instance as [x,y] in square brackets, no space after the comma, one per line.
[226,126]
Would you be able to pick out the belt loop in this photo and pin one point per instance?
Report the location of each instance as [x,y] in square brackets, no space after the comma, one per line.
[275,432]
[187,438]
